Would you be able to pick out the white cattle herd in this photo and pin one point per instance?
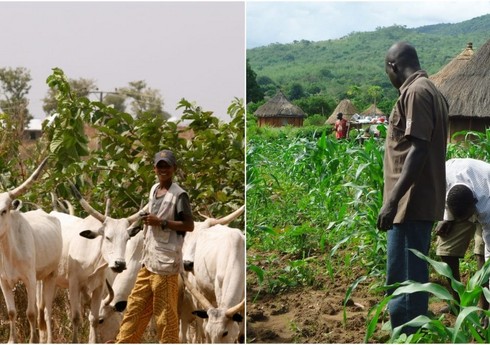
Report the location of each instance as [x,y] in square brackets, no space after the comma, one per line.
[97,259]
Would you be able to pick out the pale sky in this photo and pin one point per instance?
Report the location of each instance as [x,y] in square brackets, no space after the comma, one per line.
[285,22]
[191,50]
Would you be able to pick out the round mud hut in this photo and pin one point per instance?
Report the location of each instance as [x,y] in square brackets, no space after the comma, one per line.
[453,66]
[467,90]
[346,107]
[279,111]
[373,110]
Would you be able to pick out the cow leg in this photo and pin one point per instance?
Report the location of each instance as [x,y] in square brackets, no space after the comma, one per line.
[49,291]
[41,320]
[76,317]
[10,302]
[94,313]
[31,311]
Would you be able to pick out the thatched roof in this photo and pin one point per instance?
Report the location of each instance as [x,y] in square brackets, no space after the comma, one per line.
[346,108]
[279,106]
[453,66]
[373,110]
[468,89]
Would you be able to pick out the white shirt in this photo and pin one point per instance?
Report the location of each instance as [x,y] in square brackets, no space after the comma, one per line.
[476,175]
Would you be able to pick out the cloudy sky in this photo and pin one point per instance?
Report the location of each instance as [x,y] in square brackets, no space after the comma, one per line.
[284,22]
[191,50]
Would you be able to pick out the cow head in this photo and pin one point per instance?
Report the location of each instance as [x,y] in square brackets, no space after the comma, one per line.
[114,233]
[110,317]
[7,198]
[114,239]
[221,325]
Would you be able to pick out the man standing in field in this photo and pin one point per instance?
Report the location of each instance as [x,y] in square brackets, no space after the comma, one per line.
[414,174]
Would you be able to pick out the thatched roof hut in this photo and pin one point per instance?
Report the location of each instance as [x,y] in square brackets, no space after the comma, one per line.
[467,91]
[453,66]
[373,110]
[279,111]
[346,107]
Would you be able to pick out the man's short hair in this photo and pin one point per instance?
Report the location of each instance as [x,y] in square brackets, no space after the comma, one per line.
[459,200]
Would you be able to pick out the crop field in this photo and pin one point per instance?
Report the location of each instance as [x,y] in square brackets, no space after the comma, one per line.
[315,260]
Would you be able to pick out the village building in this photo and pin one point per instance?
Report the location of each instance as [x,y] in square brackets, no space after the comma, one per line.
[465,82]
[279,111]
[346,107]
[373,111]
[33,130]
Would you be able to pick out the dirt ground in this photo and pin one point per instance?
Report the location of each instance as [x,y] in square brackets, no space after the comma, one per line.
[314,315]
[307,315]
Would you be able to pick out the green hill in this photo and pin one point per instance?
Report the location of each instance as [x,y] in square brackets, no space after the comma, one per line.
[348,66]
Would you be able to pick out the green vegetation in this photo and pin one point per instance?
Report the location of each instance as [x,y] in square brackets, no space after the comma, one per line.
[468,326]
[312,206]
[117,163]
[348,67]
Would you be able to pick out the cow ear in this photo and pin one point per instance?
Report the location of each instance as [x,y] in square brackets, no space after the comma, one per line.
[200,313]
[133,231]
[16,205]
[121,306]
[89,234]
[237,317]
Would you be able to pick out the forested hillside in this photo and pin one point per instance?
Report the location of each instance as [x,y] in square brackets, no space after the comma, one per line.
[350,66]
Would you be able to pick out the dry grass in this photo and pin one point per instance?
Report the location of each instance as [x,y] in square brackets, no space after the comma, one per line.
[61,321]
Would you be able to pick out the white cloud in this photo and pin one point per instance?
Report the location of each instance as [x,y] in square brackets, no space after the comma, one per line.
[284,22]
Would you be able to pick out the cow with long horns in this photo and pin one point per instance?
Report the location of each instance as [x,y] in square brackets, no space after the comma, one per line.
[218,280]
[30,250]
[90,246]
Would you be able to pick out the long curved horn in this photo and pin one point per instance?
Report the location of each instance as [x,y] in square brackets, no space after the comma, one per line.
[54,203]
[69,207]
[196,293]
[233,310]
[135,216]
[229,218]
[16,192]
[108,207]
[110,297]
[89,209]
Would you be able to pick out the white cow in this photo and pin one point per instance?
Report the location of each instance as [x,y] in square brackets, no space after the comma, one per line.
[219,281]
[30,250]
[110,312]
[90,245]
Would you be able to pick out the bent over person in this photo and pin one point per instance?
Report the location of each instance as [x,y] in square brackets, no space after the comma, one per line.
[155,292]
[467,209]
[414,176]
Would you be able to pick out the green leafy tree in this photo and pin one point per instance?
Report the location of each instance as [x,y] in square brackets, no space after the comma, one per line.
[116,100]
[14,87]
[374,92]
[267,85]
[296,91]
[80,87]
[9,148]
[121,165]
[143,99]
[317,104]
[254,92]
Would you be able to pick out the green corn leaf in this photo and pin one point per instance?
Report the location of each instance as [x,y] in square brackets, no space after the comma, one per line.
[433,288]
[462,316]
